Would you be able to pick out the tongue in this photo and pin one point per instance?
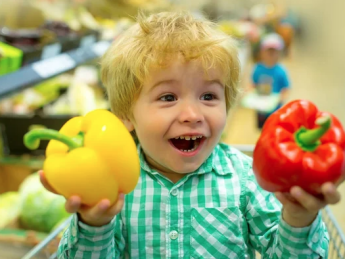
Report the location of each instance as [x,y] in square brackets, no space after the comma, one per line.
[183,144]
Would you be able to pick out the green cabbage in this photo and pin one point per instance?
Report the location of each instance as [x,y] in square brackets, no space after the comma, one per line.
[41,209]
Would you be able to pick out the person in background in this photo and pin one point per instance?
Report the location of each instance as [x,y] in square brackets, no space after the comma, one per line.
[269,76]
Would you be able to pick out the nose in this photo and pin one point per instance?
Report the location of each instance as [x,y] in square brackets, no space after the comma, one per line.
[191,113]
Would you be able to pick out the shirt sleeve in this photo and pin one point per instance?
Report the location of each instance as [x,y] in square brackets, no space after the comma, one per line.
[83,241]
[271,236]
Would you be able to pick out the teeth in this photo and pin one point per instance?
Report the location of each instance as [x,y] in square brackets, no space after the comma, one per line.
[188,137]
[189,150]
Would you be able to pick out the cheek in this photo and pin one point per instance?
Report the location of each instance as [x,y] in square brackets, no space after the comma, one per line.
[151,124]
[217,119]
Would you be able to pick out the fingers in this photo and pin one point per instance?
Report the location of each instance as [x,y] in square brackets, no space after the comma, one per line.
[104,208]
[97,215]
[289,202]
[73,204]
[331,195]
[117,207]
[282,198]
[45,182]
[97,211]
[308,201]
[102,213]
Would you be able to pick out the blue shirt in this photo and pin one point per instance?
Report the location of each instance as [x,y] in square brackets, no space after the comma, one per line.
[275,76]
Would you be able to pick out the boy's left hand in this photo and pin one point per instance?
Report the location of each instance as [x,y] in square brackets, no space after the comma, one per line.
[301,208]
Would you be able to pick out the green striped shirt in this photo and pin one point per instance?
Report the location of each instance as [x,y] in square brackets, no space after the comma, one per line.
[218,211]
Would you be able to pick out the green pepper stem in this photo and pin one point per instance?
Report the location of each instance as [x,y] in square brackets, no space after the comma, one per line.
[33,137]
[308,139]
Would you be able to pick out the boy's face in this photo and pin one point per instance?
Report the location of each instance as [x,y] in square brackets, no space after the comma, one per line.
[179,116]
[270,56]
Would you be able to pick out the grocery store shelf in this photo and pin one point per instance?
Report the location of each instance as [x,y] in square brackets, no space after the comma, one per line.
[31,162]
[48,68]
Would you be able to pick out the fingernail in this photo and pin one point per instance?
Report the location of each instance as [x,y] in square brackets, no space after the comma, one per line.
[104,205]
[330,189]
[74,200]
[297,193]
[73,203]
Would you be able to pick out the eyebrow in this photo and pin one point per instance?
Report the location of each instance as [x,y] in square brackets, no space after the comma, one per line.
[171,81]
[215,81]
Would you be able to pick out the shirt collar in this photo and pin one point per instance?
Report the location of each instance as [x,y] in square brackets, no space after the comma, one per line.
[218,162]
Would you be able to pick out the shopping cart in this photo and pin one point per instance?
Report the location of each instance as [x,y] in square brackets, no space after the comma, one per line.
[337,237]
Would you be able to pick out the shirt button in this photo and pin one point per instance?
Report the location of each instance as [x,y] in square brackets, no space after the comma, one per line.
[316,238]
[173,234]
[74,232]
[174,192]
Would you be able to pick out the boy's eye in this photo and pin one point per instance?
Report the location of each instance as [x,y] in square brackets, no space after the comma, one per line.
[208,97]
[168,98]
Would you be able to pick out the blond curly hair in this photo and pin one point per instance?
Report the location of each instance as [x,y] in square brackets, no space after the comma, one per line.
[157,40]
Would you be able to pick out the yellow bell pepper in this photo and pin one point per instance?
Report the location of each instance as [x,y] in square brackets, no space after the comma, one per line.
[94,157]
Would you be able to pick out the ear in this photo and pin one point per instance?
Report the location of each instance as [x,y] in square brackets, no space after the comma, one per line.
[129,125]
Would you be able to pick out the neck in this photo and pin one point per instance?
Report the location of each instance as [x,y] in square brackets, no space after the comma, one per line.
[171,175]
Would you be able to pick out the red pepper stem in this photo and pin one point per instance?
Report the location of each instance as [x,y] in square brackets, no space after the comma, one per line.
[33,137]
[309,139]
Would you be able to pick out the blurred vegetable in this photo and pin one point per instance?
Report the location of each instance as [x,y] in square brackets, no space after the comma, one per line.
[41,209]
[9,208]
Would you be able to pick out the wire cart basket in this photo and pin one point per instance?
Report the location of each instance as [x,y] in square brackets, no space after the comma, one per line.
[336,244]
[336,236]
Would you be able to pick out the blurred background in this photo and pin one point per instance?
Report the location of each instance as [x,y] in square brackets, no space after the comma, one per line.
[49,72]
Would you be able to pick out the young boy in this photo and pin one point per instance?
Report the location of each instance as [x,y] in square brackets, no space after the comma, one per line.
[269,76]
[172,78]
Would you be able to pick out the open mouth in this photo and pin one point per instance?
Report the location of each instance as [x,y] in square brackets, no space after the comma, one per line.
[187,143]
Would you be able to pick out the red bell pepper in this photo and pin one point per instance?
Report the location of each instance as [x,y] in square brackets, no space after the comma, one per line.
[299,145]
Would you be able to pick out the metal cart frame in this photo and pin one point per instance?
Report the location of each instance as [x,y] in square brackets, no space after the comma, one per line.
[336,244]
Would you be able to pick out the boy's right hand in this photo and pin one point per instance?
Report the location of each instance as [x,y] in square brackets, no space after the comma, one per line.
[99,215]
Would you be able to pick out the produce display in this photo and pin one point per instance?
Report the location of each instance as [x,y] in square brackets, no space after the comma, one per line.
[32,207]
[10,58]
[41,210]
[9,208]
[31,31]
[94,157]
[299,145]
[78,93]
